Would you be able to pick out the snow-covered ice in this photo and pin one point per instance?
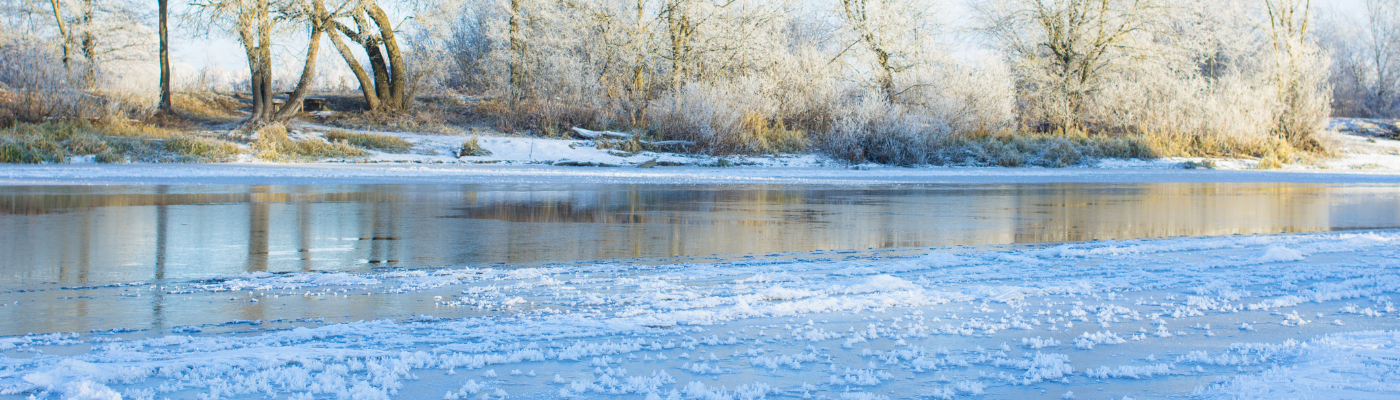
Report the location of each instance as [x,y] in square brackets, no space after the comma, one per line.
[1114,319]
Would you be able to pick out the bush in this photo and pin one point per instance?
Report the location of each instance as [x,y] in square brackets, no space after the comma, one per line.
[724,118]
[384,143]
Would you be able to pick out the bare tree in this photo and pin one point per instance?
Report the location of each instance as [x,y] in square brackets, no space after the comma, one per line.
[1300,74]
[1382,38]
[1072,44]
[252,23]
[887,29]
[98,30]
[1366,58]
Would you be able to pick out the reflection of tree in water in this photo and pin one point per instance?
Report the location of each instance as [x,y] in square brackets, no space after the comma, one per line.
[162,242]
[382,226]
[1068,213]
[82,234]
[304,234]
[257,230]
[24,202]
[640,206]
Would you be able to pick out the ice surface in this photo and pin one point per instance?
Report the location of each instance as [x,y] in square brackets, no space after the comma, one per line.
[1219,317]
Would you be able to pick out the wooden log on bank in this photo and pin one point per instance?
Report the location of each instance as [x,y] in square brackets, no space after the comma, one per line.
[595,135]
[589,134]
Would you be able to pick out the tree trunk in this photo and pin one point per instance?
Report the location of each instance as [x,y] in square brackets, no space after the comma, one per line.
[250,48]
[376,56]
[256,35]
[366,84]
[681,30]
[265,48]
[166,105]
[517,48]
[886,79]
[397,67]
[308,71]
[63,35]
[855,12]
[88,45]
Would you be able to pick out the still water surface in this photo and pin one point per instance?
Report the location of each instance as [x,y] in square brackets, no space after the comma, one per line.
[104,234]
[59,243]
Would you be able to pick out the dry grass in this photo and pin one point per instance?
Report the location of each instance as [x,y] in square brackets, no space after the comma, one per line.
[772,137]
[1051,149]
[631,145]
[273,144]
[430,115]
[544,118]
[203,149]
[472,147]
[109,141]
[208,106]
[384,143]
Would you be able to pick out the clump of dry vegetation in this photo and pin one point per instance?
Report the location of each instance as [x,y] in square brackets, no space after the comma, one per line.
[429,114]
[373,141]
[205,149]
[472,148]
[273,144]
[208,106]
[58,142]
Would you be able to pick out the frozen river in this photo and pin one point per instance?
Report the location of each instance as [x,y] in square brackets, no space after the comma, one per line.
[900,290]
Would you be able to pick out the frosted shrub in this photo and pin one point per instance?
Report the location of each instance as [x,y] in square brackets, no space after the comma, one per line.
[33,85]
[730,117]
[870,129]
[1365,60]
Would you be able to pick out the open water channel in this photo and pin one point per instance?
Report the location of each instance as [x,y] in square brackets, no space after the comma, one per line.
[63,246]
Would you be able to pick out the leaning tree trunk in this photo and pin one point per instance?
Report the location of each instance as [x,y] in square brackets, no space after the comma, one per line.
[308,71]
[386,87]
[366,83]
[63,35]
[370,42]
[397,68]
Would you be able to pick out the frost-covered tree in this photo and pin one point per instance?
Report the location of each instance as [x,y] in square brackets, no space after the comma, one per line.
[72,57]
[252,23]
[1066,50]
[894,34]
[1195,76]
[1300,73]
[1366,60]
